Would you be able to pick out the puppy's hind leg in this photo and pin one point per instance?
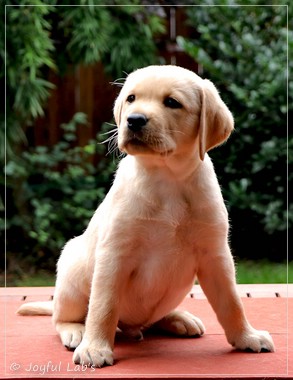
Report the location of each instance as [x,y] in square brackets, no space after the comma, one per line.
[72,293]
[69,316]
[181,323]
[70,334]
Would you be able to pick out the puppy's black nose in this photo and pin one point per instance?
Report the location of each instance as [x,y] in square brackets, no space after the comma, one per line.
[136,121]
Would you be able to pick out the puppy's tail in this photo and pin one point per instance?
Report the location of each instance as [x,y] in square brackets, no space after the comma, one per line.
[36,308]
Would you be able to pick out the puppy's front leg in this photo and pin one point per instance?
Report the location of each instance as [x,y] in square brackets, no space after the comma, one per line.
[96,347]
[217,279]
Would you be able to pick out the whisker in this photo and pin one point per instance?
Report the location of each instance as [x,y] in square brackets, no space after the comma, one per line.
[121,155]
[121,78]
[110,138]
[113,150]
[111,124]
[113,147]
[117,83]
[108,132]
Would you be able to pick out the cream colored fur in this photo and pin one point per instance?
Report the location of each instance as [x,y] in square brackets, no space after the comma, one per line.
[162,224]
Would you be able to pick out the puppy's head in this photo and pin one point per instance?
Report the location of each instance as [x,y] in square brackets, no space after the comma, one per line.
[162,110]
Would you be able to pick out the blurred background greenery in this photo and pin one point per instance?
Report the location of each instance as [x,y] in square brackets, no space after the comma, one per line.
[58,65]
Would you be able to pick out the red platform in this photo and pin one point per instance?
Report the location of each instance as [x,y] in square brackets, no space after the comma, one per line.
[30,347]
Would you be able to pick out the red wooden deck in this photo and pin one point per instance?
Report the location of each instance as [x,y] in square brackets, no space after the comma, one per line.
[30,347]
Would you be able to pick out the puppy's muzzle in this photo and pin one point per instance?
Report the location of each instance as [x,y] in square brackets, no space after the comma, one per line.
[136,121]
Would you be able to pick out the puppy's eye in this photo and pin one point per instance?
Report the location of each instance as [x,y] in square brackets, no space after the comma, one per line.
[172,103]
[130,98]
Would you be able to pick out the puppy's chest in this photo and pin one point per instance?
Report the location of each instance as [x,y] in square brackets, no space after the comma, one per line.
[163,270]
[165,207]
[163,258]
[167,237]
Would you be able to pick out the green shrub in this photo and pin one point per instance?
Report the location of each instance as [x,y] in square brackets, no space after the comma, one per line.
[52,192]
[243,50]
[57,190]
[41,37]
[27,56]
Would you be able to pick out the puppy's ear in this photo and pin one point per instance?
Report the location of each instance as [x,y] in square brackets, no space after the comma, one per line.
[216,121]
[117,110]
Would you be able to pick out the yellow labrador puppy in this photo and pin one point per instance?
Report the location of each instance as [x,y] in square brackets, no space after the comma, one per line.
[162,224]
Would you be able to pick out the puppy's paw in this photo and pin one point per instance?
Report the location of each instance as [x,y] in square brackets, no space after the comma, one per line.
[254,340]
[93,354]
[181,323]
[70,333]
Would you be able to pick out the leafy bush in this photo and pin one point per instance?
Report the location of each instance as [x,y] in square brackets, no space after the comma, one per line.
[28,53]
[244,51]
[121,37]
[57,189]
[41,36]
[52,191]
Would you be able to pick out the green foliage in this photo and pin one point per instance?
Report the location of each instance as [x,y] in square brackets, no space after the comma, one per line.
[27,56]
[243,49]
[41,37]
[88,30]
[262,272]
[111,35]
[132,46]
[28,53]
[52,191]
[57,189]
